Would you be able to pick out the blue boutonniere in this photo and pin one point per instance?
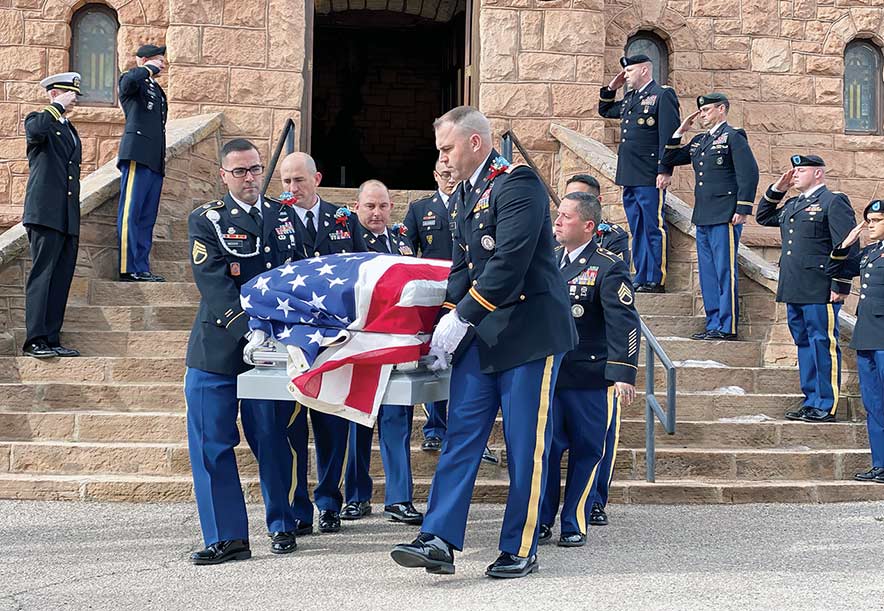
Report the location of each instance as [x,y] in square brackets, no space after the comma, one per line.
[400,229]
[498,166]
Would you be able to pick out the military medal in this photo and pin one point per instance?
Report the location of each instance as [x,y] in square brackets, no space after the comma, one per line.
[641,121]
[651,121]
[487,242]
[577,310]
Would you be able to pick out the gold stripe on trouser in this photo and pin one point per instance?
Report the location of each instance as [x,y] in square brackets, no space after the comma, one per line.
[426,411]
[294,487]
[124,230]
[530,528]
[581,504]
[733,264]
[616,438]
[833,355]
[662,238]
[346,458]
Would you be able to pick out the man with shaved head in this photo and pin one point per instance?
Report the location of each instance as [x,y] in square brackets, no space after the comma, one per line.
[324,229]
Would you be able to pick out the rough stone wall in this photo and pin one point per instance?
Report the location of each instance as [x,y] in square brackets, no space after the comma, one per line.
[241,57]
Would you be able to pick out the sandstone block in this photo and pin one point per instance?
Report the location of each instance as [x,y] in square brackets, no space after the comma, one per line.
[787,87]
[131,13]
[515,100]
[266,87]
[546,67]
[820,118]
[572,31]
[825,65]
[531,29]
[156,13]
[768,117]
[22,64]
[500,28]
[234,47]
[184,44]
[69,458]
[771,55]
[724,60]
[828,91]
[246,14]
[590,69]
[286,34]
[574,100]
[761,17]
[198,84]
[11,27]
[713,8]
[203,12]
[866,20]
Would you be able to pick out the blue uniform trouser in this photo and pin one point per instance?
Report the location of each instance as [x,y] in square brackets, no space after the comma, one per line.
[581,419]
[140,189]
[601,485]
[394,437]
[298,452]
[524,394]
[870,364]
[330,438]
[435,426]
[644,211]
[212,434]
[717,262]
[814,327]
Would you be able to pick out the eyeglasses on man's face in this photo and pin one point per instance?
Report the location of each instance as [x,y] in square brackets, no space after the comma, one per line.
[255,170]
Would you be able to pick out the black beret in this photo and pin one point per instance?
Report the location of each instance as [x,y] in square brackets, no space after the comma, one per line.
[711,98]
[150,51]
[805,161]
[876,205]
[634,59]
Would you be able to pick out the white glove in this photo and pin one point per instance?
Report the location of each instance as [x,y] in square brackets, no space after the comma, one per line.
[440,359]
[449,332]
[256,339]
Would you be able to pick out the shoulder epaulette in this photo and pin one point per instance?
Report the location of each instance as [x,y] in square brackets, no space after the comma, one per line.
[210,206]
[52,110]
[607,253]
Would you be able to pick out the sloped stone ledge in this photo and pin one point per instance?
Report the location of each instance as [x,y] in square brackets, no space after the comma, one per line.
[104,183]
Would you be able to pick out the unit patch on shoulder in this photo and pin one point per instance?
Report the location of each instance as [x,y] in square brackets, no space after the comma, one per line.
[199,253]
[625,294]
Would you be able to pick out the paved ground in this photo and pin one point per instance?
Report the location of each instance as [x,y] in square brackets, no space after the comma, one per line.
[120,556]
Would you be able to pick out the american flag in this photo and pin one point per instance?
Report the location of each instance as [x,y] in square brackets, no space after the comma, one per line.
[345,320]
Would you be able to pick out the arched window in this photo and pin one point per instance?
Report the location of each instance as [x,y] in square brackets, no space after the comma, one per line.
[94,53]
[862,88]
[648,43]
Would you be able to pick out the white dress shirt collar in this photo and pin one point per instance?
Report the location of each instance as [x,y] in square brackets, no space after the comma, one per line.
[302,213]
[575,254]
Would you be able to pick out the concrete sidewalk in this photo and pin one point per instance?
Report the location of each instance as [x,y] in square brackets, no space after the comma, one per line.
[121,556]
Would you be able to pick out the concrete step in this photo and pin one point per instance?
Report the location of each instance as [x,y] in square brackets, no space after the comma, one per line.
[129,318]
[664,325]
[733,354]
[170,250]
[169,427]
[72,458]
[172,271]
[668,304]
[45,396]
[123,343]
[153,489]
[107,293]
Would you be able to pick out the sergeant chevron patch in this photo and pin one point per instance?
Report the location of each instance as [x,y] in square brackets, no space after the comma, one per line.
[625,294]
[199,253]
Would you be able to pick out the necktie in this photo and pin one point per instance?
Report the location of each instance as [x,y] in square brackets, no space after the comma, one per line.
[383,240]
[311,227]
[566,261]
[256,216]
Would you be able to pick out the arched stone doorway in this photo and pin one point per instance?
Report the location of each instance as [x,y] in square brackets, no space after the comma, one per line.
[380,77]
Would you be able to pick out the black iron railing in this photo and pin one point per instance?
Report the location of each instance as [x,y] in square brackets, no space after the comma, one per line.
[286,139]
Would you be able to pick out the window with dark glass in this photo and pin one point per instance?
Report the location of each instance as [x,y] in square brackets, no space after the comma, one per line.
[94,53]
[648,43]
[862,88]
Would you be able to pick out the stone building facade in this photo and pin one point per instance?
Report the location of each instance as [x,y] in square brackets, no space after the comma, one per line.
[526,63]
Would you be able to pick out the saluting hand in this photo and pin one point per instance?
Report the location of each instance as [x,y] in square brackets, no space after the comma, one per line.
[66,99]
[618,81]
[159,64]
[785,181]
[854,234]
[688,122]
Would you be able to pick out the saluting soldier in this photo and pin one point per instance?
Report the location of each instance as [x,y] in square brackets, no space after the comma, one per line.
[51,215]
[323,229]
[724,191]
[811,225]
[142,162]
[610,236]
[648,115]
[233,240]
[597,376]
[429,228]
[509,322]
[374,207]
[868,335]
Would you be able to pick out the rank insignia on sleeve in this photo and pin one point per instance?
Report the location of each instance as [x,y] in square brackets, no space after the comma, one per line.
[199,253]
[625,294]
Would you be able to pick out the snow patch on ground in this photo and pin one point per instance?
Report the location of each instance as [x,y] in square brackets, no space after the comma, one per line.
[728,390]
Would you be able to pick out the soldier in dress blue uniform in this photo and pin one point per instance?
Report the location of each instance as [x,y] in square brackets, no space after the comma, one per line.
[596,376]
[610,236]
[811,225]
[142,162]
[233,240]
[509,323]
[323,229]
[724,191]
[429,228]
[373,207]
[648,116]
[51,215]
[868,335]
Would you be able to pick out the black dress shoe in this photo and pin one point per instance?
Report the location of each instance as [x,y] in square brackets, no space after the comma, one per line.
[812,414]
[700,335]
[544,534]
[66,352]
[156,277]
[404,512]
[222,551]
[489,457]
[510,566]
[714,335]
[651,287]
[355,511]
[283,542]
[597,515]
[39,350]
[871,475]
[302,529]
[571,540]
[729,337]
[329,521]
[796,414]
[427,551]
[431,444]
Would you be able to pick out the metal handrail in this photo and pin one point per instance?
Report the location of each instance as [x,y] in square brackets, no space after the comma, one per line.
[653,349]
[287,139]
[653,409]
